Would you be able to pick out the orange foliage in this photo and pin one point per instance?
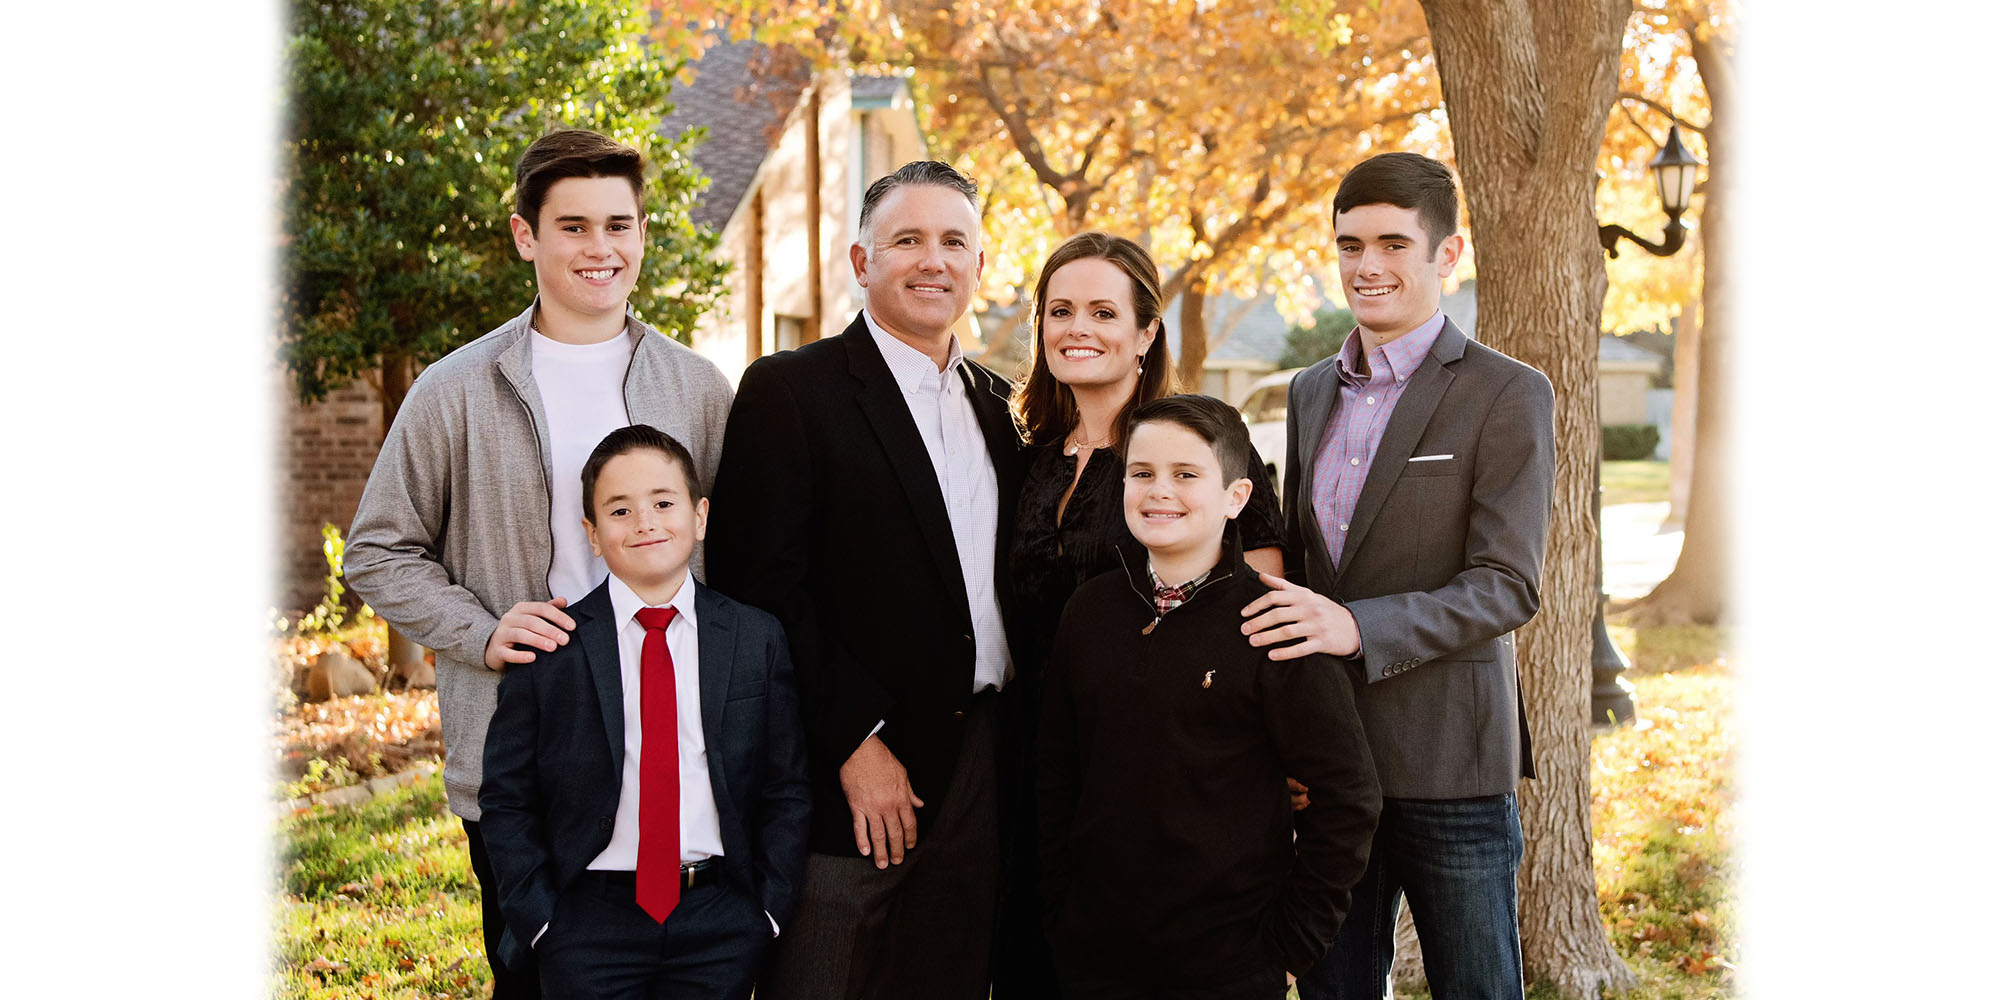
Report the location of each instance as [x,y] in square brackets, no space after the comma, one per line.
[1659,85]
[1213,131]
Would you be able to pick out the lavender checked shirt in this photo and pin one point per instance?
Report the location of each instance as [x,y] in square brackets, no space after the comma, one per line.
[1358,424]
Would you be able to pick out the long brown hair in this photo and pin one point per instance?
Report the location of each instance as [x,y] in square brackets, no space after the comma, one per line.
[1044,408]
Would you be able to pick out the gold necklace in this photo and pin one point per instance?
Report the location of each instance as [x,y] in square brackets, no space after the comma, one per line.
[1072,445]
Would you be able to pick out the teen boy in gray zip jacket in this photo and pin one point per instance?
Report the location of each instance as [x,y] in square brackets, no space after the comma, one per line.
[453,526]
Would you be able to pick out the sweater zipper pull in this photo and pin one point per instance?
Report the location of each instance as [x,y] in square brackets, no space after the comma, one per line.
[1150,626]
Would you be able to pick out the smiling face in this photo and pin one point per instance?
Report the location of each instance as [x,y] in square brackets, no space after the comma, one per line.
[1177,499]
[586,250]
[1090,332]
[646,524]
[919,262]
[1392,276]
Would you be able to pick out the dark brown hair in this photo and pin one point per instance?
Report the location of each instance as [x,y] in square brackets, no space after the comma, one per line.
[1044,408]
[1211,419]
[1405,180]
[572,152]
[625,440]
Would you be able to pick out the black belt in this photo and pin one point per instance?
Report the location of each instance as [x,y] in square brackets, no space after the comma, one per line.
[694,875]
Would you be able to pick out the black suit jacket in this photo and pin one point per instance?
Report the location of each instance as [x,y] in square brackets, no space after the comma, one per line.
[556,748]
[827,513]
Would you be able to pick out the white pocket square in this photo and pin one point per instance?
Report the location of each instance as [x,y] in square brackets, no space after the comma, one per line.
[1430,458]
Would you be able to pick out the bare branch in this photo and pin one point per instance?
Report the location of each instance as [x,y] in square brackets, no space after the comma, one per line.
[1628,96]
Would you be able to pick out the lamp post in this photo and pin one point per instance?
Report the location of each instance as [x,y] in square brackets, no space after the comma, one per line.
[1674,170]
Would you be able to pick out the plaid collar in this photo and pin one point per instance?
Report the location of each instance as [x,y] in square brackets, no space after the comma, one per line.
[1167,598]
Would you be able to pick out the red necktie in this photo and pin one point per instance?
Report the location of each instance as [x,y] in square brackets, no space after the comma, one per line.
[659,872]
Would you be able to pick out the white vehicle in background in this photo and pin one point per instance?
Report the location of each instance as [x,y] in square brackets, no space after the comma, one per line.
[1264,413]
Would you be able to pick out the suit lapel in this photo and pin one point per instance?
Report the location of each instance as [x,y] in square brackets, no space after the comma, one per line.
[989,403]
[881,401]
[1406,426]
[715,628]
[1314,397]
[598,631]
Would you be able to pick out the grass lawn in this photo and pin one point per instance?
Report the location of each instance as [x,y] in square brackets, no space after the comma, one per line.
[1635,482]
[378,902]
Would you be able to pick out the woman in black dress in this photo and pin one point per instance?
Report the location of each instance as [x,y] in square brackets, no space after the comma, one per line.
[1099,352]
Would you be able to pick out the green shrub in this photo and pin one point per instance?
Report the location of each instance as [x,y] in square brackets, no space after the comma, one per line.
[1629,442]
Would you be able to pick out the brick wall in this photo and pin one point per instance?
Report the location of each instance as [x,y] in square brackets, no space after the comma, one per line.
[325,451]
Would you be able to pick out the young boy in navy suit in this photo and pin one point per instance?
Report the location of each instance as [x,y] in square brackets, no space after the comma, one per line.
[1170,870]
[645,801]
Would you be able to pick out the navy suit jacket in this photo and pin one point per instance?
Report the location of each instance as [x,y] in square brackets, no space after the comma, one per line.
[556,747]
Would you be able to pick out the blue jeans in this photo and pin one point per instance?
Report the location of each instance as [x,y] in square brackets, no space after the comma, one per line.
[1456,859]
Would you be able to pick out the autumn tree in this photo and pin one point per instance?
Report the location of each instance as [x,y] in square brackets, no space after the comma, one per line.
[1188,125]
[1681,63]
[1529,89]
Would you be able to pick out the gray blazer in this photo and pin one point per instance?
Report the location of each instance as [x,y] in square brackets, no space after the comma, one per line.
[1443,561]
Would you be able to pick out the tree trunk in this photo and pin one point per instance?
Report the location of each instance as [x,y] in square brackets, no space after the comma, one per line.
[1687,401]
[1528,89]
[1698,590]
[398,371]
[1194,334]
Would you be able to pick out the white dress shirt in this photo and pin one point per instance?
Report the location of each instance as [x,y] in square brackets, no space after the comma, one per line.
[701,830]
[965,476]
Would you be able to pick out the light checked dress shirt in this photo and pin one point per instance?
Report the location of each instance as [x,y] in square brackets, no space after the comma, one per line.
[1366,401]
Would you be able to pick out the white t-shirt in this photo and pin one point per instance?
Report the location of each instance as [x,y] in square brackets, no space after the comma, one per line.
[583,394]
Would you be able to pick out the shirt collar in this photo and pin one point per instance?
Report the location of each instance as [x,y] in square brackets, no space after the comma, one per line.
[1400,357]
[625,604]
[912,369]
[1158,584]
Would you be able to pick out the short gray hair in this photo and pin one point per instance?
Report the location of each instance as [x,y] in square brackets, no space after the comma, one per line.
[933,172]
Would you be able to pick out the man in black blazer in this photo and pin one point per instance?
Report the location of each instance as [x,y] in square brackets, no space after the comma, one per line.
[1419,471]
[567,785]
[863,497]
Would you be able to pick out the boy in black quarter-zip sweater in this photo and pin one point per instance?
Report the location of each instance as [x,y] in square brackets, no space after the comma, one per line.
[1169,865]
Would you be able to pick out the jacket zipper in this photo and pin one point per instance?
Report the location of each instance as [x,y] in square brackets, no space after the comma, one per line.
[1154,606]
[548,501]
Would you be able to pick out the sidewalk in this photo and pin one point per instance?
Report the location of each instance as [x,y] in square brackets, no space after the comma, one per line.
[1637,554]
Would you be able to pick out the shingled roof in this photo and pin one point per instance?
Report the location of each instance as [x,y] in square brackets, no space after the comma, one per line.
[742,92]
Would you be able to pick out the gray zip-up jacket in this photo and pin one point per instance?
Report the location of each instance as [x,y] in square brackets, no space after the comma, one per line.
[453,526]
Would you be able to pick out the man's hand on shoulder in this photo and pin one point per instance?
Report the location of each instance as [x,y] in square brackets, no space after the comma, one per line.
[879,795]
[1289,611]
[525,628]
